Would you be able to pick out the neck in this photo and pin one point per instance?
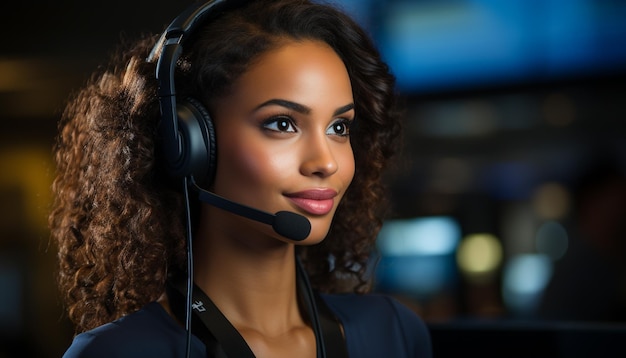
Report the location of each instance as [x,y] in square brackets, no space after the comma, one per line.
[251,280]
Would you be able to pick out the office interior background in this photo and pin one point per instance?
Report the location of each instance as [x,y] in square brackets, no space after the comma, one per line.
[508,202]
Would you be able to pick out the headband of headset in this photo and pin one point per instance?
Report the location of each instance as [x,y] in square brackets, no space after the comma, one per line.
[168,50]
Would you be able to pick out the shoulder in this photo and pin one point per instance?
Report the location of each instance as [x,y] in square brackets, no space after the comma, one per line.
[388,327]
[147,332]
[373,308]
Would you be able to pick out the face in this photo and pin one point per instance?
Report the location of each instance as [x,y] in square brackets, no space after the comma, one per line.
[283,138]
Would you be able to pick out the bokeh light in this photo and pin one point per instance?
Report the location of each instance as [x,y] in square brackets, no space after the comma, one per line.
[417,256]
[419,236]
[525,277]
[479,256]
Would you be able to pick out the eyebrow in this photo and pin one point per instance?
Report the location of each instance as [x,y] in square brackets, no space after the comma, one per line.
[300,108]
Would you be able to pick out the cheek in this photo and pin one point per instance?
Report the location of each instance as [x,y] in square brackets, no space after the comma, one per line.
[346,165]
[237,165]
[251,164]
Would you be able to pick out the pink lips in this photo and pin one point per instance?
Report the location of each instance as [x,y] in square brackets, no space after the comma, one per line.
[315,202]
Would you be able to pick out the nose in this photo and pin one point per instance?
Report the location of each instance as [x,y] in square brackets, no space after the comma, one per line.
[318,157]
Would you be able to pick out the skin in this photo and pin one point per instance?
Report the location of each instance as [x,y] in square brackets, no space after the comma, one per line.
[282,131]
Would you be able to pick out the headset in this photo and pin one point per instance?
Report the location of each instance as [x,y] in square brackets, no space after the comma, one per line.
[186,128]
[187,140]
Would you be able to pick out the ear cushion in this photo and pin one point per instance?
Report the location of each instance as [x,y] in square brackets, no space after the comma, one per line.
[198,140]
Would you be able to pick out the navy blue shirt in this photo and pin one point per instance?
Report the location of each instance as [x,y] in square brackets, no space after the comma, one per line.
[374,326]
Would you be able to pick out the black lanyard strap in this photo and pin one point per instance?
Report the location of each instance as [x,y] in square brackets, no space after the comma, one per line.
[214,327]
[334,340]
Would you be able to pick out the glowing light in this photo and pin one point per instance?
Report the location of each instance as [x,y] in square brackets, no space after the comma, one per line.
[419,236]
[479,255]
[417,255]
[552,240]
[525,277]
[417,276]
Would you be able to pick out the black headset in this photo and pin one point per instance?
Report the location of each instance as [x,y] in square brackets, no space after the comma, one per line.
[186,130]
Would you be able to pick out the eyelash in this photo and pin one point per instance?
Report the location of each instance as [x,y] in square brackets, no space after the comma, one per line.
[291,124]
[277,119]
[347,123]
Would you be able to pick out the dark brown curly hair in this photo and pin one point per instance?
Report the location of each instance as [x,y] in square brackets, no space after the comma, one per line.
[118,221]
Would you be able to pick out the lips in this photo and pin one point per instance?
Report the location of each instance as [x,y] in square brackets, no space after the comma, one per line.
[315,202]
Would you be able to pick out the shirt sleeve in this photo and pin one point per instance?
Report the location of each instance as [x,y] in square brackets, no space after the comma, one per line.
[149,332]
[87,345]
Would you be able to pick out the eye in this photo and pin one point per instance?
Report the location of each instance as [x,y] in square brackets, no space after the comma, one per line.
[340,128]
[280,124]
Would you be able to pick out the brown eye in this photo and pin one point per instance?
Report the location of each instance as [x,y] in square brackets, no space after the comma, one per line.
[340,128]
[280,124]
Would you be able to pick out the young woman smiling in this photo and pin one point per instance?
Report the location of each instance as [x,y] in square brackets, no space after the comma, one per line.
[304,121]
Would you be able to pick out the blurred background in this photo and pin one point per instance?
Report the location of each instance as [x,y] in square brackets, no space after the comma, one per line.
[509,200]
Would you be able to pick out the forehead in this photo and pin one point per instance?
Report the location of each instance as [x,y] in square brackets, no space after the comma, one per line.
[296,65]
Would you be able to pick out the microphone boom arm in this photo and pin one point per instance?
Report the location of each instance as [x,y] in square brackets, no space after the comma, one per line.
[239,209]
[286,223]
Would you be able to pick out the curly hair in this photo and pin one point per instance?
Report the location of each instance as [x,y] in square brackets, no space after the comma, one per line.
[117,219]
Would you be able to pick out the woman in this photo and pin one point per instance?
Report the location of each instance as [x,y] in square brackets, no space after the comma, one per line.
[304,119]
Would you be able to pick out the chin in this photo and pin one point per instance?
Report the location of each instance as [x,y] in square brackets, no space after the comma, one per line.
[310,241]
[316,236]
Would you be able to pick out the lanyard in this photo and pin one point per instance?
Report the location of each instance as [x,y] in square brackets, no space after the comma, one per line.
[223,340]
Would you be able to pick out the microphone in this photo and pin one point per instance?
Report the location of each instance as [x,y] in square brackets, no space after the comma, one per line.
[293,226]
